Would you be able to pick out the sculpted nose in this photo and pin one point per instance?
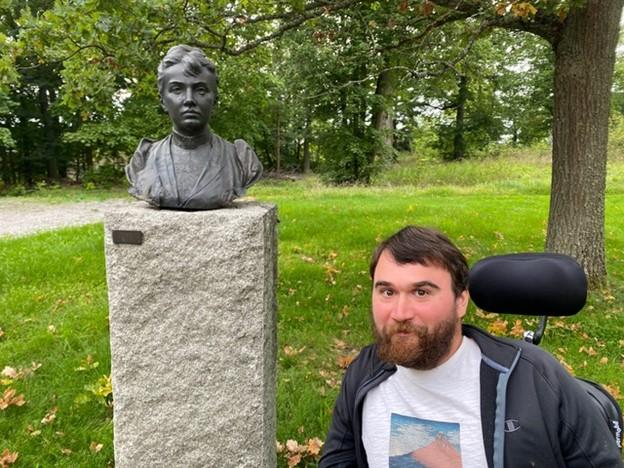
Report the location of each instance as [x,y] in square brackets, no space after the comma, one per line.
[189,97]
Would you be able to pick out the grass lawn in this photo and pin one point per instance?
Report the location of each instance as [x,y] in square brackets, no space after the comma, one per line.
[53,305]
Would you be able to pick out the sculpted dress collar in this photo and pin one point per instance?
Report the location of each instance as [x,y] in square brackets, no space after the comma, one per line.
[229,169]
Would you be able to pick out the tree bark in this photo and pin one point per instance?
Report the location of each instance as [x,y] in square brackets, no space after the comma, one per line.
[306,146]
[382,117]
[278,142]
[49,133]
[584,61]
[459,144]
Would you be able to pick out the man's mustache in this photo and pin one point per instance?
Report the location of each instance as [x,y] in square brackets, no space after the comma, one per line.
[405,327]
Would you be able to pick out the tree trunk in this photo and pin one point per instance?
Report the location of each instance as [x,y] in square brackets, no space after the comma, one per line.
[382,119]
[306,146]
[278,143]
[459,144]
[584,61]
[49,135]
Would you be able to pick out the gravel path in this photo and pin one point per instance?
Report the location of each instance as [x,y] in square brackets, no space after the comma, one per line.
[23,217]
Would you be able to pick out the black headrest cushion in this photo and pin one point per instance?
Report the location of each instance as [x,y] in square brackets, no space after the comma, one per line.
[528,284]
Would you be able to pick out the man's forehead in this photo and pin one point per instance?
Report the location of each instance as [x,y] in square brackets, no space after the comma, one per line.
[387,259]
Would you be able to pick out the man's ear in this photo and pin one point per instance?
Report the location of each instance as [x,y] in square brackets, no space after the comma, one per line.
[461,303]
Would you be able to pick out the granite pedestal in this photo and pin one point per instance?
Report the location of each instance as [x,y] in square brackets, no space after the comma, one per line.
[193,335]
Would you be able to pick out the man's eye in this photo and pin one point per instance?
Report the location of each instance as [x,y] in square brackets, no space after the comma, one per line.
[387,292]
[421,292]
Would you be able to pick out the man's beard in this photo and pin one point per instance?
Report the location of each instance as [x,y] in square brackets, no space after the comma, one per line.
[421,349]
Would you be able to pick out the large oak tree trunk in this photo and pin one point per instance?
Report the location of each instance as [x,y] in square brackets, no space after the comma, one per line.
[584,60]
[382,118]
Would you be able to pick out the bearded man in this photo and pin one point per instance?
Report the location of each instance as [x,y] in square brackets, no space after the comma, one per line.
[433,392]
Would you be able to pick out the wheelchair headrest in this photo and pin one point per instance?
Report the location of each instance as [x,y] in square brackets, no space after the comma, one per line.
[528,284]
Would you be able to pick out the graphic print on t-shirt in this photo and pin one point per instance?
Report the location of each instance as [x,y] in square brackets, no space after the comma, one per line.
[422,443]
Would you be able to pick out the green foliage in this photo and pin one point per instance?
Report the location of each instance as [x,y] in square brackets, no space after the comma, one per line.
[6,139]
[104,176]
[348,157]
[81,78]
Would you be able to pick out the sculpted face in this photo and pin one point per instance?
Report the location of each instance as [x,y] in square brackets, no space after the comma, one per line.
[416,315]
[188,99]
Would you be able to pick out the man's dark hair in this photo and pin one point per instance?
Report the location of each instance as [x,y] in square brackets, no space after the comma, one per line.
[193,59]
[414,244]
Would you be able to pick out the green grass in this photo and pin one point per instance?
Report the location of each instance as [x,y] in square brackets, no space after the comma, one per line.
[325,238]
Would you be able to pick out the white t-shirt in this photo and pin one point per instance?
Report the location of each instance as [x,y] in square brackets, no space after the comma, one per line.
[427,418]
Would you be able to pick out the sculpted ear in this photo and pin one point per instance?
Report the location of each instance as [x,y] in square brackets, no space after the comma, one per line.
[162,105]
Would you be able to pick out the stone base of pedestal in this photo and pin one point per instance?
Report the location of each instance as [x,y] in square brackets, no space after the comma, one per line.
[193,336]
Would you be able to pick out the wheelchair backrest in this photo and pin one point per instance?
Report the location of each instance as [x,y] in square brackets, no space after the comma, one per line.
[543,284]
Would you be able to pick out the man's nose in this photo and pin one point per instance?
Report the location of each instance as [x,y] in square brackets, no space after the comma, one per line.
[402,309]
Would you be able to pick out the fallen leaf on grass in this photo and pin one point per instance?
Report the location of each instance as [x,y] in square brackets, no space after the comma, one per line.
[330,378]
[95,447]
[9,372]
[294,460]
[290,351]
[339,344]
[7,458]
[292,446]
[589,351]
[9,399]
[49,417]
[517,330]
[615,391]
[314,446]
[32,432]
[481,314]
[330,273]
[567,366]
[1,333]
[604,360]
[66,451]
[87,364]
[498,327]
[296,453]
[17,374]
[345,361]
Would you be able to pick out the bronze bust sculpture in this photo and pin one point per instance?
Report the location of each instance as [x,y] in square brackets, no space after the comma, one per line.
[192,168]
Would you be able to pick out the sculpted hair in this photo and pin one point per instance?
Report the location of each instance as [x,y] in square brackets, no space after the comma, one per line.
[425,246]
[193,59]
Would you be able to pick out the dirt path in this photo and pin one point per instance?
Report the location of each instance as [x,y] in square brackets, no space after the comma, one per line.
[23,217]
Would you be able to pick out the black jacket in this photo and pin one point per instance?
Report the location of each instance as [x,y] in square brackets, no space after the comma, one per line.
[533,413]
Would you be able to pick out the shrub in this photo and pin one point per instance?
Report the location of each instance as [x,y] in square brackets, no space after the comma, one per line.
[105,176]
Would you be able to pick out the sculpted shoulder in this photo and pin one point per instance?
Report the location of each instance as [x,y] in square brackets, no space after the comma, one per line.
[249,163]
